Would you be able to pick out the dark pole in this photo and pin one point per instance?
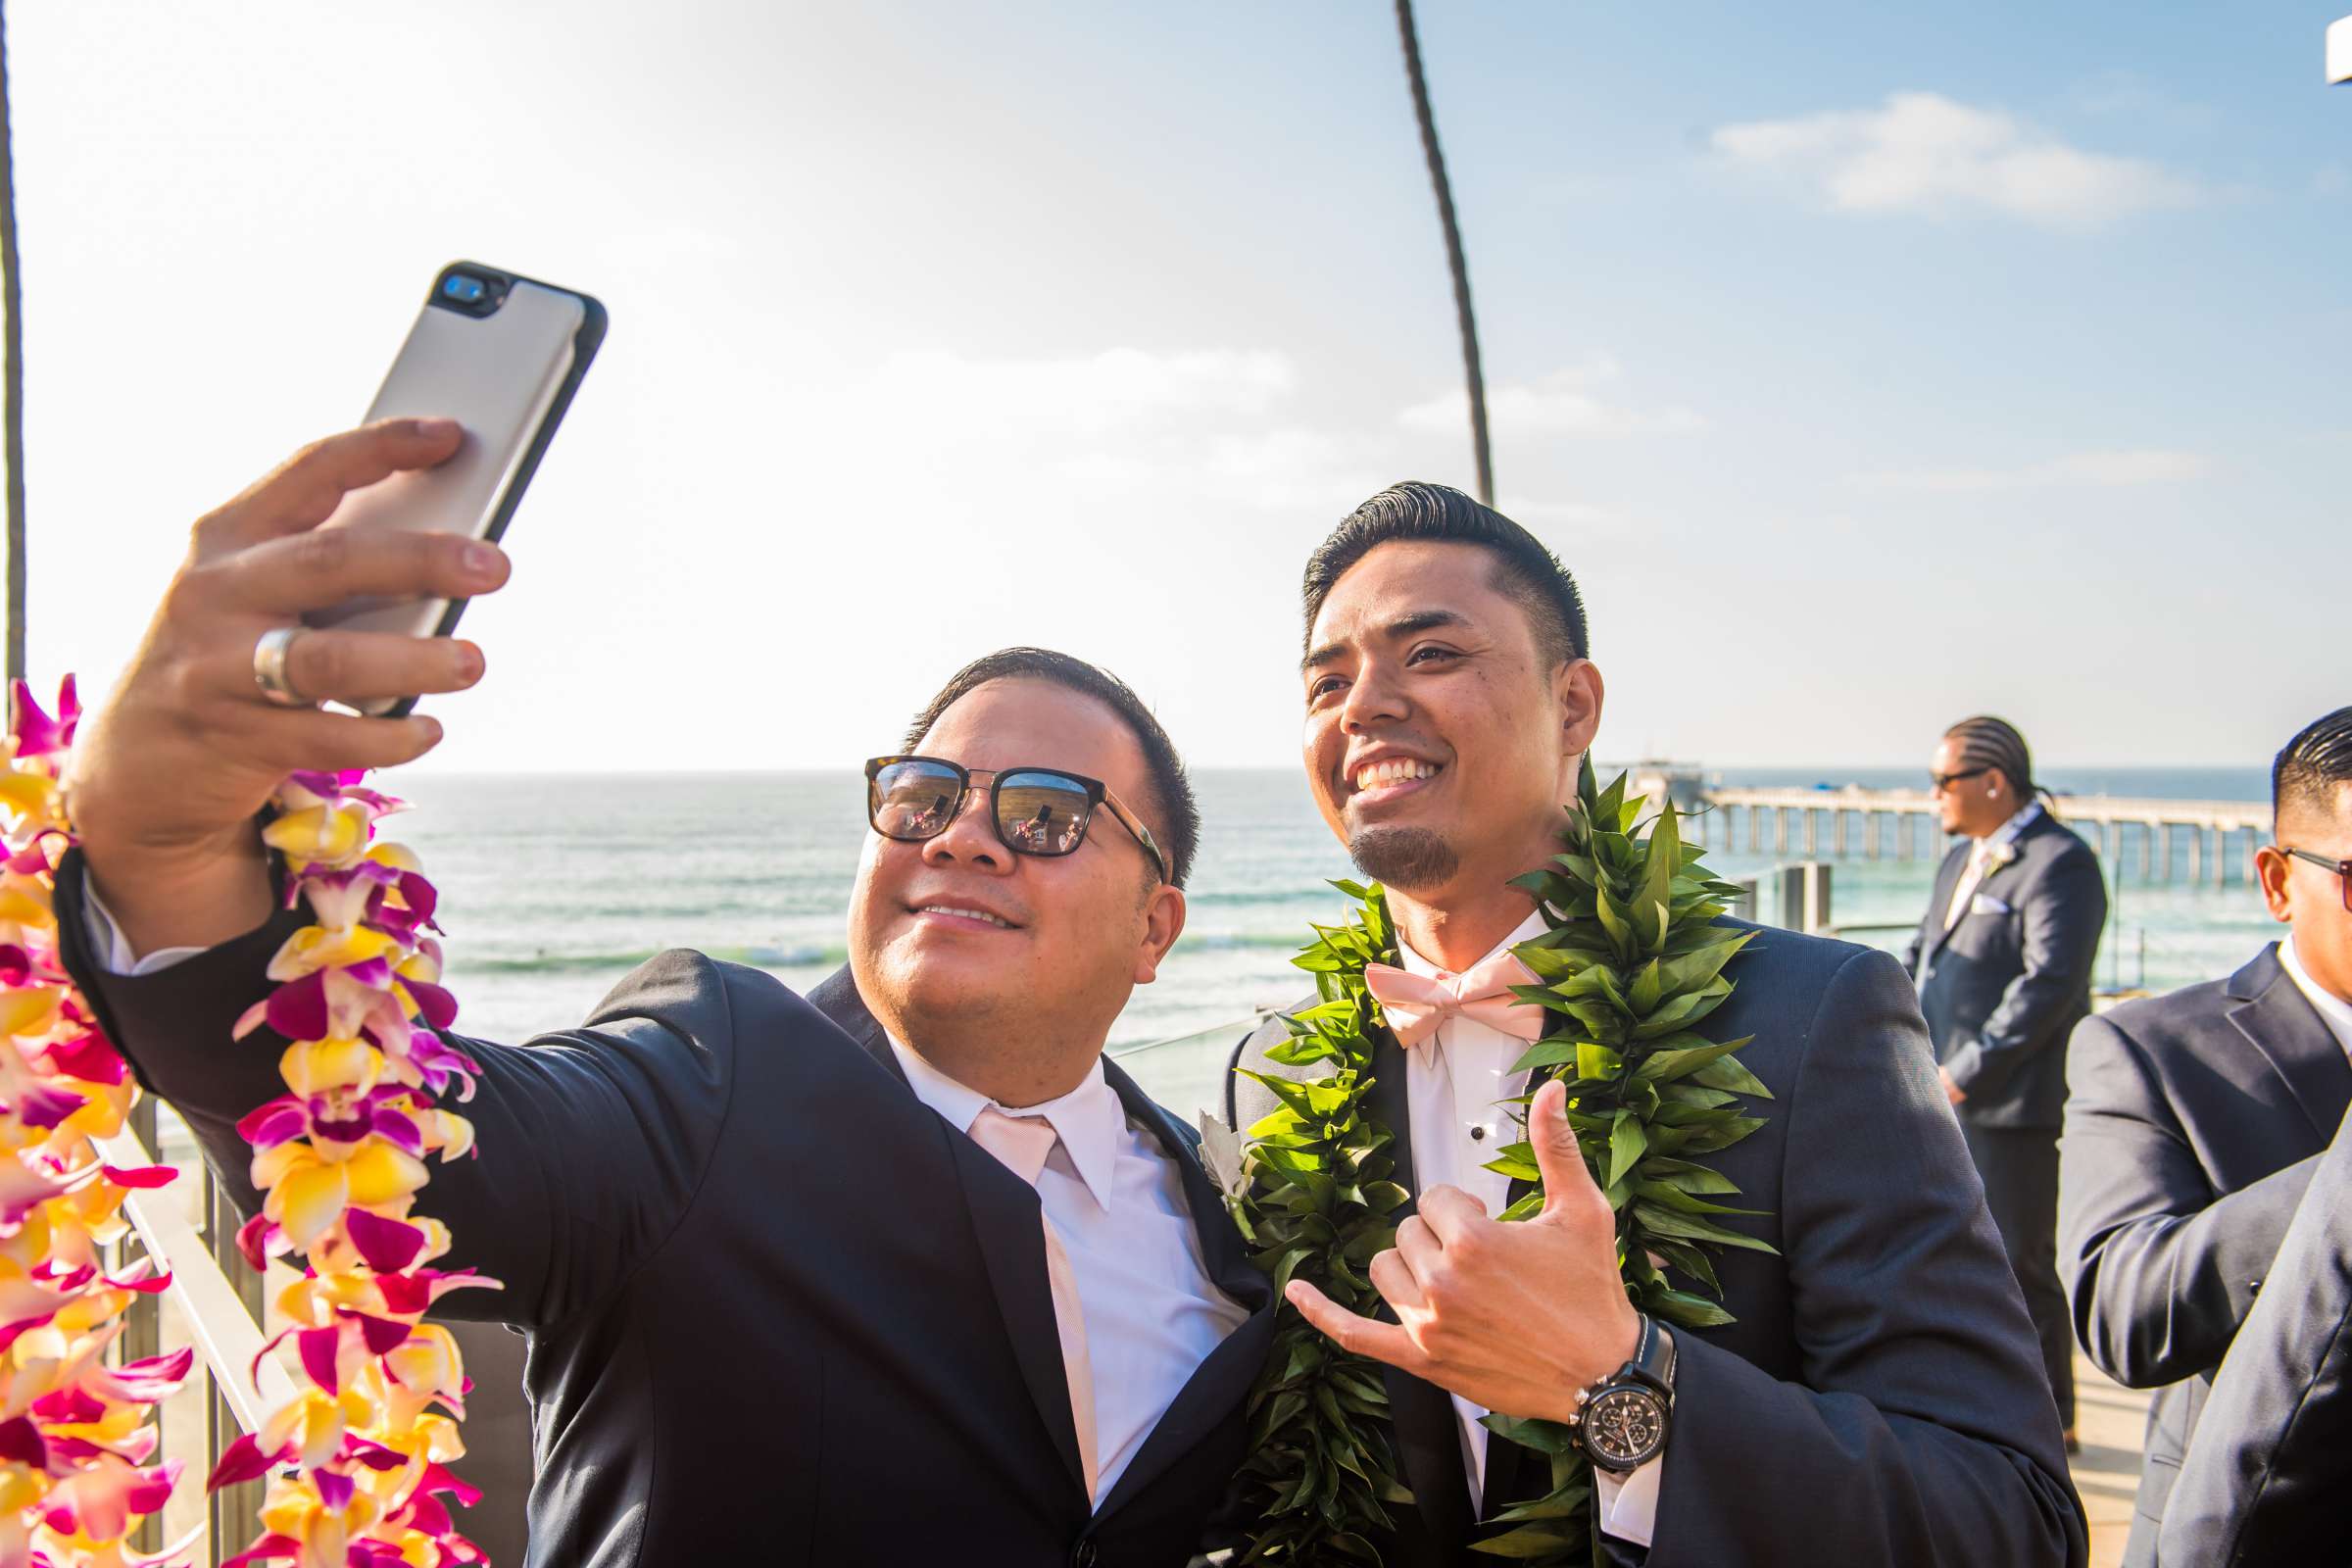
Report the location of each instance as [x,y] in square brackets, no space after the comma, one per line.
[12,373]
[1453,249]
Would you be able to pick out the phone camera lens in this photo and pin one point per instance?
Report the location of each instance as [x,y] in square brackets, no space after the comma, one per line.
[465,290]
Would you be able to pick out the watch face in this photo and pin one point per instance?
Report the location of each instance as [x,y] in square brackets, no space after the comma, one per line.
[1625,1426]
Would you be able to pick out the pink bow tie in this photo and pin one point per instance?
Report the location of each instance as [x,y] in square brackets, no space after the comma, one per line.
[1416,1004]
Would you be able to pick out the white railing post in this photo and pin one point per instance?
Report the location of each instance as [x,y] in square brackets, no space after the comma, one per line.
[226,1335]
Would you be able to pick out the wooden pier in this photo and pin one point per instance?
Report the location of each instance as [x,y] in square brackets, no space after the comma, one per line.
[2205,839]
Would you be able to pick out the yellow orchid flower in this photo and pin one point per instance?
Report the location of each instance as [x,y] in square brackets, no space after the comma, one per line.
[325,1066]
[318,946]
[104,1108]
[28,796]
[24,903]
[325,834]
[324,1533]
[30,1010]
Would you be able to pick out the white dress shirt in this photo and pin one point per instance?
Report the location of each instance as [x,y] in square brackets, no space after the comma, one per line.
[1979,856]
[2333,1011]
[113,948]
[1116,1200]
[1455,1083]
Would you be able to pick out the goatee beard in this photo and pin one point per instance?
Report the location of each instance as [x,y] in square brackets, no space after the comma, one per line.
[1413,859]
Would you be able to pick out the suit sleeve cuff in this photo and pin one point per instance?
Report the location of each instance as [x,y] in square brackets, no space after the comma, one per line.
[1629,1503]
[1966,1065]
[112,950]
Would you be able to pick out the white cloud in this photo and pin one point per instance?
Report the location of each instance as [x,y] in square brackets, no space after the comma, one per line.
[1124,426]
[1567,402]
[1081,396]
[2106,470]
[1291,468]
[1921,152]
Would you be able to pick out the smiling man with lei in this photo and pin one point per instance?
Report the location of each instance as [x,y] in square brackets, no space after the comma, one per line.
[1727,1291]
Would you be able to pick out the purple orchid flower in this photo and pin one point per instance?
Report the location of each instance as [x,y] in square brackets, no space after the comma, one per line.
[37,733]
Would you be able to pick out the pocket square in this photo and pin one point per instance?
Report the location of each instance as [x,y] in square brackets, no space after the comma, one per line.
[1986,904]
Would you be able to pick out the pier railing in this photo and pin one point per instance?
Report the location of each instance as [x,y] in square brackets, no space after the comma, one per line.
[1904,822]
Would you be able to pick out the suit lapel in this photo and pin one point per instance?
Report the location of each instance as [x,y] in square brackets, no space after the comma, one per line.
[1948,878]
[836,996]
[1222,1382]
[2280,1022]
[1421,1414]
[1007,1223]
[2022,848]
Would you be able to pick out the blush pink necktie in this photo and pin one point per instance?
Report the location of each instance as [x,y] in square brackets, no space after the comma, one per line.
[1416,1004]
[1021,1144]
[1978,855]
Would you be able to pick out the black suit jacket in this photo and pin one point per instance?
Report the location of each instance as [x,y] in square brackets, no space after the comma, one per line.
[2265,1477]
[2002,988]
[2195,1121]
[779,1310]
[1880,1400]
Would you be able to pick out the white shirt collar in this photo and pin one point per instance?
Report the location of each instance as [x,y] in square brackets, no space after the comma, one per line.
[2333,1011]
[2007,832]
[1413,963]
[1088,1119]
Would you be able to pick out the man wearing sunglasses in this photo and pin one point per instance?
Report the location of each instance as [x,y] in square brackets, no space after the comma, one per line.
[2003,962]
[2195,1123]
[902,1273]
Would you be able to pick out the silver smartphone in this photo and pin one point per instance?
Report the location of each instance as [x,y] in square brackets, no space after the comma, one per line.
[502,354]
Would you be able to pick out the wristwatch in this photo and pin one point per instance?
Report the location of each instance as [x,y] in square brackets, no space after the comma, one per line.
[1621,1421]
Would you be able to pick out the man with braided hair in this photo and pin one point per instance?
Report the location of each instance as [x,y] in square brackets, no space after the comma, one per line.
[2003,963]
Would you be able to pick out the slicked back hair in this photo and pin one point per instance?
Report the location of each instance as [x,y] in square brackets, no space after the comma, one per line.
[2315,766]
[1171,813]
[1524,570]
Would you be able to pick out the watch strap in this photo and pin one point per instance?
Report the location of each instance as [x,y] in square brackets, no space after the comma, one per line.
[1654,1358]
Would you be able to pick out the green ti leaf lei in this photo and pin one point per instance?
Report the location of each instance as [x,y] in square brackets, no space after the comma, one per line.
[1632,963]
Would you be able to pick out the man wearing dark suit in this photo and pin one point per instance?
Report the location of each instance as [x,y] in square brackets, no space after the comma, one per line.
[1878,1400]
[2265,1476]
[2003,960]
[2196,1122]
[904,1272]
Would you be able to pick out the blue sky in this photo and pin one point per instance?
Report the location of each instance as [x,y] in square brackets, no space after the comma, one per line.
[1872,366]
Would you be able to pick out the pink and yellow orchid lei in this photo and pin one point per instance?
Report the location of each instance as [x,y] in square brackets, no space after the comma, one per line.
[359,1457]
[76,1436]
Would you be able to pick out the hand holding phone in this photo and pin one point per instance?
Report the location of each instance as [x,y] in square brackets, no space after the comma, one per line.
[379,535]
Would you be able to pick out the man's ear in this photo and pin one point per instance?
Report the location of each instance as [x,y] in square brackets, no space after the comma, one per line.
[1163,923]
[1576,692]
[2270,871]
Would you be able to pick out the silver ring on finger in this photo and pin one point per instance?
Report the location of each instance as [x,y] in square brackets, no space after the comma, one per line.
[269,667]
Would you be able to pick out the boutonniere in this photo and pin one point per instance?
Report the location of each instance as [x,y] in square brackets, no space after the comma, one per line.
[1228,1165]
[1999,857]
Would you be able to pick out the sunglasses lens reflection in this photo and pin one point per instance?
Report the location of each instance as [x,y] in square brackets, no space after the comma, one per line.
[913,800]
[1042,814]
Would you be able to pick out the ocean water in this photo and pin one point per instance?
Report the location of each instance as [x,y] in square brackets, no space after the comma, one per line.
[553,887]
